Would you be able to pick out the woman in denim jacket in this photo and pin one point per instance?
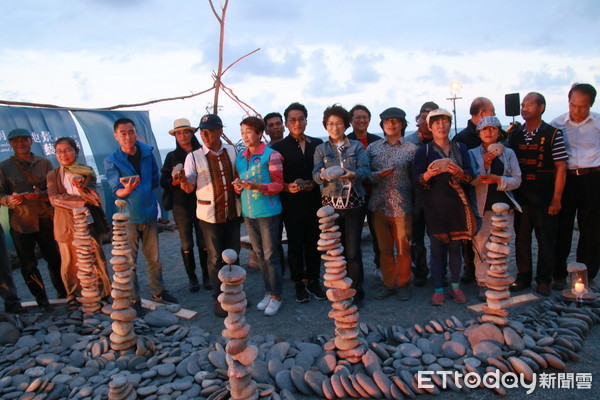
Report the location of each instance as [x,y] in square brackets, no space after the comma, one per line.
[344,193]
[498,175]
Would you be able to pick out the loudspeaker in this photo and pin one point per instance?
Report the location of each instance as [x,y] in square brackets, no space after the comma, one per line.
[512,104]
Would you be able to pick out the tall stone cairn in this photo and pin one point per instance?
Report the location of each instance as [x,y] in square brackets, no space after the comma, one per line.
[87,264]
[123,336]
[339,290]
[498,279]
[240,356]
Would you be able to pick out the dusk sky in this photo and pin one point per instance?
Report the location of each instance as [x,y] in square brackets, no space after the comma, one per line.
[97,53]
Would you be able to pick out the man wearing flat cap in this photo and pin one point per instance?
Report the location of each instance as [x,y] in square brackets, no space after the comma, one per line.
[23,191]
[210,171]
[391,202]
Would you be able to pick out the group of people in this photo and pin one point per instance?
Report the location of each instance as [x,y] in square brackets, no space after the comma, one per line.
[41,200]
[405,186]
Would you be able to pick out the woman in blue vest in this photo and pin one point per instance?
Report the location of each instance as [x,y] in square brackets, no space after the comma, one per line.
[260,171]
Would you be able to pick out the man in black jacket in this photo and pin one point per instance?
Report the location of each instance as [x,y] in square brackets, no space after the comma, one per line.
[300,199]
[360,117]
[480,107]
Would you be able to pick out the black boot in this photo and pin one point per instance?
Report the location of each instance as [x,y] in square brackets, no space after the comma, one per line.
[190,268]
[204,266]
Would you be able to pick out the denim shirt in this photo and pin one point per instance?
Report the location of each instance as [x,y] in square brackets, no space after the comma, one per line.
[353,158]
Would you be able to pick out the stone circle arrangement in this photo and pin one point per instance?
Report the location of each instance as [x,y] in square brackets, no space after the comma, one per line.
[339,291]
[123,335]
[498,279]
[240,356]
[86,262]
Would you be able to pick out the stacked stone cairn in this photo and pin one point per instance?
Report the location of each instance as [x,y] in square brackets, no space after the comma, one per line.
[339,290]
[498,280]
[240,356]
[123,336]
[121,389]
[86,262]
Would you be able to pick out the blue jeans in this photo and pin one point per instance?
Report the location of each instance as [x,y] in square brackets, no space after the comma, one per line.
[218,237]
[265,239]
[440,252]
[148,233]
[351,223]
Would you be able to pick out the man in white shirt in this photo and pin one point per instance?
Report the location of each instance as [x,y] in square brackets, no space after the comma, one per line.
[581,129]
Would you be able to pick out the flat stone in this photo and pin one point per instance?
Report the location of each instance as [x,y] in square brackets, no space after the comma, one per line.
[160,318]
[339,294]
[485,332]
[284,381]
[410,350]
[521,367]
[165,369]
[486,349]
[217,358]
[369,385]
[325,211]
[297,376]
[314,379]
[45,359]
[126,315]
[383,383]
[9,334]
[371,362]
[513,339]
[232,274]
[428,358]
[313,349]
[278,351]
[453,350]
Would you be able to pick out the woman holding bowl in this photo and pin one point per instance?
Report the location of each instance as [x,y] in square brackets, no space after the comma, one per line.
[344,192]
[498,173]
[443,170]
[73,185]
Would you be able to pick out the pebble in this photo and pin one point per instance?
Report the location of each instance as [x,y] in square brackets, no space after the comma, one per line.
[160,318]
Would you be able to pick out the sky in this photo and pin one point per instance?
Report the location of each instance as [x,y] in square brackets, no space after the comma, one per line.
[380,53]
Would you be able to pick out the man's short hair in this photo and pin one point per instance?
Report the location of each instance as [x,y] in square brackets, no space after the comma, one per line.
[478,104]
[256,123]
[272,115]
[338,111]
[122,121]
[295,106]
[584,88]
[359,107]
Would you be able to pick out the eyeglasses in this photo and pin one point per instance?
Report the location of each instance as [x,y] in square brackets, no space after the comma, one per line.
[335,125]
[296,120]
[65,151]
[391,121]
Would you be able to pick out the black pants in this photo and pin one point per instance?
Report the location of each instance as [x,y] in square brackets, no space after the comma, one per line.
[8,291]
[302,228]
[581,196]
[418,251]
[535,218]
[25,246]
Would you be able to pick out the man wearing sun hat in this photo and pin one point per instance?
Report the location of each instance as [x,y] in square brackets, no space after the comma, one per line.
[182,204]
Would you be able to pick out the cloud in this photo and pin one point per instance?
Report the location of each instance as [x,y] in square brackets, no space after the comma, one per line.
[544,78]
[82,84]
[322,82]
[362,68]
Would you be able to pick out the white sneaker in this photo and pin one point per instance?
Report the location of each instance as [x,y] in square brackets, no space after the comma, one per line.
[264,303]
[273,307]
